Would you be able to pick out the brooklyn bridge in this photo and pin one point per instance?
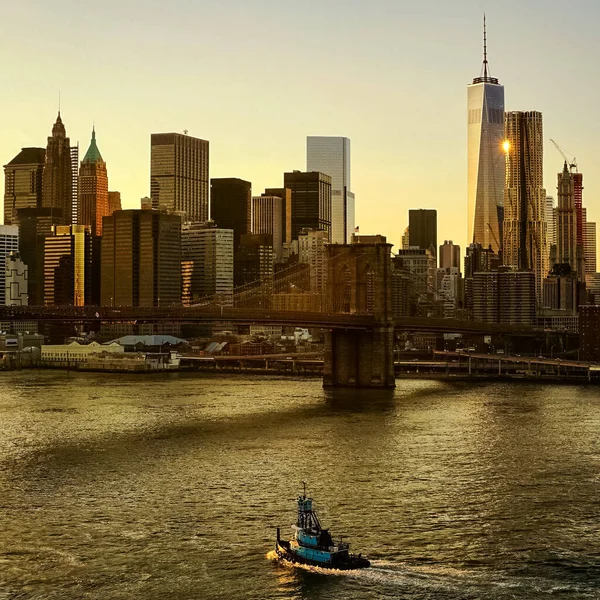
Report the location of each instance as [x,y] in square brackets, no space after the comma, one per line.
[355,310]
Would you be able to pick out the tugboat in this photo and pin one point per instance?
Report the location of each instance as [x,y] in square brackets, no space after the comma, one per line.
[312,545]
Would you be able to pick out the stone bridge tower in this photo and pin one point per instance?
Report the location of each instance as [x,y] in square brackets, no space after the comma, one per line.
[359,282]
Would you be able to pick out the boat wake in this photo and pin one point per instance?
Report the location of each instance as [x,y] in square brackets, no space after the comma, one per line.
[442,579]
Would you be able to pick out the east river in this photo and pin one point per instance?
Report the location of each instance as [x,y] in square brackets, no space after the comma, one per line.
[151,488]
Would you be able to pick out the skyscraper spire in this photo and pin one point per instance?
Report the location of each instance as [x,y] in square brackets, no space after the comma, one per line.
[485,77]
[485,61]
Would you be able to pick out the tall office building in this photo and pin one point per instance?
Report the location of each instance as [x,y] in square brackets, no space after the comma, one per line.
[9,243]
[450,256]
[68,266]
[422,229]
[141,259]
[74,182]
[57,190]
[23,182]
[485,98]
[34,225]
[267,216]
[179,175]
[525,229]
[286,206]
[311,201]
[254,262]
[207,264]
[590,248]
[331,155]
[114,202]
[566,221]
[550,214]
[230,205]
[93,189]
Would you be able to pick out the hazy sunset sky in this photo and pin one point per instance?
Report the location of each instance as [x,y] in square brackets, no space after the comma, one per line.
[255,77]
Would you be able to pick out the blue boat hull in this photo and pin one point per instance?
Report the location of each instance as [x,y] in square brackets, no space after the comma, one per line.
[348,562]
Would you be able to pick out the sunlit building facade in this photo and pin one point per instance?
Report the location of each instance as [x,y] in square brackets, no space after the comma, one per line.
[93,189]
[141,258]
[331,155]
[485,104]
[525,227]
[267,215]
[207,264]
[179,175]
[68,266]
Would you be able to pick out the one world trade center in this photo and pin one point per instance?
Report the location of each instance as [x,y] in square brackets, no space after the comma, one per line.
[485,157]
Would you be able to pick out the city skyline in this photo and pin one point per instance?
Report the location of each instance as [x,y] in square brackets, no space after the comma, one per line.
[440,52]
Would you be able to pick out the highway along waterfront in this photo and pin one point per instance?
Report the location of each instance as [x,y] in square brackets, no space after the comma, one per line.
[124,487]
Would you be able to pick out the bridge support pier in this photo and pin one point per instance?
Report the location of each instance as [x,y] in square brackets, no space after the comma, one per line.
[359,359]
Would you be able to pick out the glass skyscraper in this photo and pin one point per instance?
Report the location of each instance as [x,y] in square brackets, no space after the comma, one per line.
[331,155]
[485,158]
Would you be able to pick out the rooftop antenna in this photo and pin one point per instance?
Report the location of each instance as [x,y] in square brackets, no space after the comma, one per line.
[59,103]
[485,61]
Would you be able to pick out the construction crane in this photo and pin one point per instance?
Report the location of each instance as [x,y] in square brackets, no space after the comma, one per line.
[572,163]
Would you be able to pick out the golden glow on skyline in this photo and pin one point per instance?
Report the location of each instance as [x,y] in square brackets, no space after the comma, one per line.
[506,146]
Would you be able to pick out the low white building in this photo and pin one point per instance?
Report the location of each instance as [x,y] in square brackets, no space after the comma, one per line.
[66,354]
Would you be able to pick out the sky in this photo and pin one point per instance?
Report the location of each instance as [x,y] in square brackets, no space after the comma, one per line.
[255,77]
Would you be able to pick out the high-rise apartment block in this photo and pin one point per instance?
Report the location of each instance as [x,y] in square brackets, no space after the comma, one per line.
[15,281]
[422,227]
[207,264]
[9,244]
[23,182]
[525,227]
[93,189]
[311,201]
[179,175]
[505,296]
[312,251]
[485,98]
[331,155]
[68,266]
[267,217]
[57,190]
[230,205]
[141,258]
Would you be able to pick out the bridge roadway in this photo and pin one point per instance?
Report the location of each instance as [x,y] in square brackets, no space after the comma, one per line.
[250,316]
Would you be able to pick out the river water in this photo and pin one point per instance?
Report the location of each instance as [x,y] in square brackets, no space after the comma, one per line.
[143,487]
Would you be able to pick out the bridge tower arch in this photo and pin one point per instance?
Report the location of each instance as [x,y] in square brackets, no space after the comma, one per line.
[359,282]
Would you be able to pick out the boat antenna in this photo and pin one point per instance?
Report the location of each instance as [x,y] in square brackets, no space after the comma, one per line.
[304,484]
